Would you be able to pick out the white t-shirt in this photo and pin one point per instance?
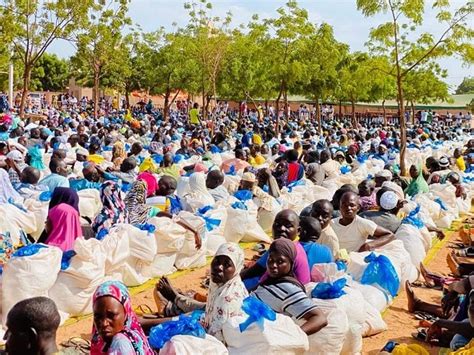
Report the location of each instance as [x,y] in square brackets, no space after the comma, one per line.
[354,235]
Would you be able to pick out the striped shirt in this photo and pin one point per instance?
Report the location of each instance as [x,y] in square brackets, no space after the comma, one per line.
[285,298]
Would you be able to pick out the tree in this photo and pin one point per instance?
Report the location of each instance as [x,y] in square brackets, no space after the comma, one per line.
[101,50]
[322,53]
[354,80]
[291,29]
[424,87]
[33,26]
[246,72]
[397,40]
[466,87]
[210,39]
[50,73]
[167,65]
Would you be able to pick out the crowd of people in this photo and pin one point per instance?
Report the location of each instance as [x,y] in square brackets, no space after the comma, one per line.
[142,167]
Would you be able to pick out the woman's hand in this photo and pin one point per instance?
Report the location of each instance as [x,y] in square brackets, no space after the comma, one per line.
[433,332]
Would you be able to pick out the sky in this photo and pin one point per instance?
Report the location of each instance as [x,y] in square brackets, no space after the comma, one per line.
[350,26]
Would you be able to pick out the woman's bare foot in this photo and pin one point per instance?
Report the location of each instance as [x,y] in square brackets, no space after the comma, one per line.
[431,279]
[411,298]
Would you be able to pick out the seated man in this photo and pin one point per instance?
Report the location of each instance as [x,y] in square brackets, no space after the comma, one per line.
[239,162]
[91,179]
[58,176]
[169,168]
[165,199]
[386,216]
[322,210]
[32,325]
[29,187]
[353,231]
[286,225]
[214,181]
[310,232]
[127,172]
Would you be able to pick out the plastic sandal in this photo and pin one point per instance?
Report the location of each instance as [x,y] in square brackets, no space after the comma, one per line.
[80,345]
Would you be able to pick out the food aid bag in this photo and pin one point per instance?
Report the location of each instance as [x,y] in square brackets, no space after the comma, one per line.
[413,242]
[169,235]
[265,218]
[191,345]
[215,219]
[374,295]
[242,224]
[89,203]
[162,264]
[134,272]
[31,272]
[18,220]
[40,211]
[190,257]
[342,297]
[142,240]
[79,278]
[116,248]
[330,339]
[400,259]
[280,336]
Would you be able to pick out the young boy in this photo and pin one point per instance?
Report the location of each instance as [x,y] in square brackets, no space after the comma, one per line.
[322,210]
[310,232]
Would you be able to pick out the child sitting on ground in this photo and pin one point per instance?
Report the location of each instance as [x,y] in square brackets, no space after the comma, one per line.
[310,232]
[322,210]
[367,197]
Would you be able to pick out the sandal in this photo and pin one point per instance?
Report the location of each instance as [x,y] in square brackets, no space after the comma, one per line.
[146,312]
[420,335]
[80,345]
[425,316]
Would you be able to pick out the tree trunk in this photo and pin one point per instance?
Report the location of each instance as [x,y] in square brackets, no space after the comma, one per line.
[413,118]
[166,108]
[318,116]
[204,113]
[96,92]
[277,109]
[24,92]
[340,109]
[385,122]
[353,116]
[403,128]
[285,98]
[127,99]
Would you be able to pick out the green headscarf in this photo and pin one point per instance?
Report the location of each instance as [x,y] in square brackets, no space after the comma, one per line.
[418,185]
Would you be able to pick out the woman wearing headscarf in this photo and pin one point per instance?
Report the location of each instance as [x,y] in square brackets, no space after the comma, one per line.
[151,183]
[63,226]
[198,195]
[64,195]
[113,208]
[116,329]
[417,184]
[282,292]
[137,212]
[6,188]
[225,296]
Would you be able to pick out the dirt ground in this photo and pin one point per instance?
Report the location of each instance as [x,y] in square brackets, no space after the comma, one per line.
[400,323]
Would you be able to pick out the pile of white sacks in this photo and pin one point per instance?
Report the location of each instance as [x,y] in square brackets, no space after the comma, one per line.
[136,255]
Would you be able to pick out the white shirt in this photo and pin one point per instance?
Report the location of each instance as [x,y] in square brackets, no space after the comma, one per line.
[354,235]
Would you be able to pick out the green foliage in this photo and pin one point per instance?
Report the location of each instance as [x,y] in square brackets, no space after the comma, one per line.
[50,73]
[466,87]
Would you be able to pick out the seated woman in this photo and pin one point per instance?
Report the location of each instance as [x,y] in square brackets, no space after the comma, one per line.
[286,225]
[198,195]
[116,329]
[367,195]
[224,300]
[63,226]
[282,292]
[417,184]
[113,208]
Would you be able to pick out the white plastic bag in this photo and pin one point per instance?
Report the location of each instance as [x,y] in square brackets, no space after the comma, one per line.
[169,235]
[282,336]
[134,272]
[215,236]
[40,211]
[191,345]
[242,225]
[29,276]
[142,244]
[188,257]
[116,248]
[413,242]
[89,203]
[75,286]
[162,264]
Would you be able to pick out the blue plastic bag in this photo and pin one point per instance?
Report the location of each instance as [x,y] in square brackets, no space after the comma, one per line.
[243,195]
[294,184]
[413,219]
[441,204]
[45,196]
[185,325]
[239,206]
[380,271]
[231,170]
[66,259]
[328,290]
[150,228]
[102,234]
[177,158]
[257,312]
[29,250]
[205,209]
[345,169]
[157,158]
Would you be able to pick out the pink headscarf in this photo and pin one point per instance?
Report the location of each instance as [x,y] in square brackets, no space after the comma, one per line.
[200,168]
[150,181]
[65,226]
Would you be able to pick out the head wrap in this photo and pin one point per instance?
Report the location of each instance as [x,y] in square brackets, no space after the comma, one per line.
[388,200]
[135,203]
[64,195]
[132,329]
